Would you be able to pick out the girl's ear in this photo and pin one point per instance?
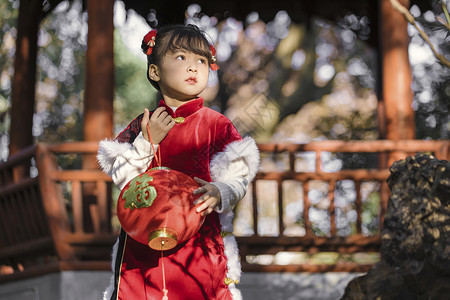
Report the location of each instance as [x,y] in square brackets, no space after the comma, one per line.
[153,72]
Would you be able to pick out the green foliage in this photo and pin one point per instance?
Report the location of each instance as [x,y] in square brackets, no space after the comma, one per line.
[133,92]
[8,19]
[370,213]
[60,76]
[61,65]
[431,76]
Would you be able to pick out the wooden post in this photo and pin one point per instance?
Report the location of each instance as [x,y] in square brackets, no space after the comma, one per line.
[99,89]
[53,203]
[24,80]
[396,75]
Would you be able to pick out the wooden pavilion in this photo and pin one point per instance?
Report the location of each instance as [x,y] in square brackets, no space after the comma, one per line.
[62,219]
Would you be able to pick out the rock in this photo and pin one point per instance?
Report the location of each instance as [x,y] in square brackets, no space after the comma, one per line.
[415,240]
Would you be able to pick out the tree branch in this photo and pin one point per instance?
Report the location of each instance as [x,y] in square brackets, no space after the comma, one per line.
[410,18]
[447,16]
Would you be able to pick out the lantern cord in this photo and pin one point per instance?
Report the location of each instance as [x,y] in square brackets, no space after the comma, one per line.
[165,291]
[158,152]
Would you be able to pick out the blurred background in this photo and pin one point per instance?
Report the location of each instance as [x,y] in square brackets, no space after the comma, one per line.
[281,81]
[319,77]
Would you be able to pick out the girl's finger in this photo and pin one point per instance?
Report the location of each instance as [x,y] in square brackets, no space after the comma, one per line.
[164,115]
[167,120]
[144,123]
[145,118]
[201,199]
[201,190]
[159,110]
[207,211]
[171,124]
[205,205]
[200,181]
[200,209]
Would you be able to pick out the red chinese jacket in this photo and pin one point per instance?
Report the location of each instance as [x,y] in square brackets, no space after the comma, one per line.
[203,144]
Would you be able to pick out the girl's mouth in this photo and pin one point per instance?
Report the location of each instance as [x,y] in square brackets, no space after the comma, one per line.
[191,80]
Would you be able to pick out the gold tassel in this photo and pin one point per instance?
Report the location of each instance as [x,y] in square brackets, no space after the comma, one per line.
[229,281]
[225,233]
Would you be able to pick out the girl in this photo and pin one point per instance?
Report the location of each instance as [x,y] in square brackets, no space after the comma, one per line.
[199,142]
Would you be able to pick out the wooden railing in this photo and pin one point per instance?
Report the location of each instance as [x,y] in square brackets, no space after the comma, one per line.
[330,241]
[80,217]
[23,222]
[44,216]
[60,219]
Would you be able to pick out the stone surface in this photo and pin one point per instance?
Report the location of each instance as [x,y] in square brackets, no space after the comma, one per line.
[89,285]
[294,286]
[415,241]
[66,285]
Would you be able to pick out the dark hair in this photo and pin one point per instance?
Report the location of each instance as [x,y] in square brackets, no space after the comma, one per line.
[172,38]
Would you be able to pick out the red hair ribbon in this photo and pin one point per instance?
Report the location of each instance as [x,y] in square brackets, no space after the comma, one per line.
[149,39]
[213,65]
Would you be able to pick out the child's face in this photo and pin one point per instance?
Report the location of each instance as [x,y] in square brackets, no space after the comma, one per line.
[183,75]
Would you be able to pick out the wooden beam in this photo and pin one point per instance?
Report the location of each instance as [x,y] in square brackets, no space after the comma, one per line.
[99,86]
[23,85]
[53,267]
[397,94]
[358,146]
[348,244]
[24,80]
[53,203]
[309,268]
[27,248]
[99,92]
[358,174]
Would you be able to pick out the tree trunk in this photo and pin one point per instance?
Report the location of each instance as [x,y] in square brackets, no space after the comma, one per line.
[24,80]
[99,92]
[396,82]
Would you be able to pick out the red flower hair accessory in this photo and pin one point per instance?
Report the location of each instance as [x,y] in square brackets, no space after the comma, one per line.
[213,65]
[149,41]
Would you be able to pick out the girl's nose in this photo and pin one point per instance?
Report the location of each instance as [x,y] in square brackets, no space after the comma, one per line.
[192,69]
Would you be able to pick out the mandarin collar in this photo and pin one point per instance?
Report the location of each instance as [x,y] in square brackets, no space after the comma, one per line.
[185,109]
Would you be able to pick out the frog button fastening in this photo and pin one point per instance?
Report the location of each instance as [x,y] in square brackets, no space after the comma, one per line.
[178,120]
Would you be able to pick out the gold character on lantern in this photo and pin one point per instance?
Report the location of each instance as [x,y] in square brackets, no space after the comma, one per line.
[140,193]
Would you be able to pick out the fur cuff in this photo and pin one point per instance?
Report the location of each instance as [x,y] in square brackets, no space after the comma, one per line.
[245,149]
[107,153]
[231,251]
[110,289]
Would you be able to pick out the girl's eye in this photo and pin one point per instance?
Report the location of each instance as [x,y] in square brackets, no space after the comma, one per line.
[180,57]
[202,60]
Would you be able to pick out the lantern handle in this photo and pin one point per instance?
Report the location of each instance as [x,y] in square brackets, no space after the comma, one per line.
[158,152]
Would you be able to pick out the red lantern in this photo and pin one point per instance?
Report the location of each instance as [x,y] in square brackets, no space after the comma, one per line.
[156,208]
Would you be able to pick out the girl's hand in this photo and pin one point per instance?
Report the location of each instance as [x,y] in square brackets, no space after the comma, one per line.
[160,123]
[210,198]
